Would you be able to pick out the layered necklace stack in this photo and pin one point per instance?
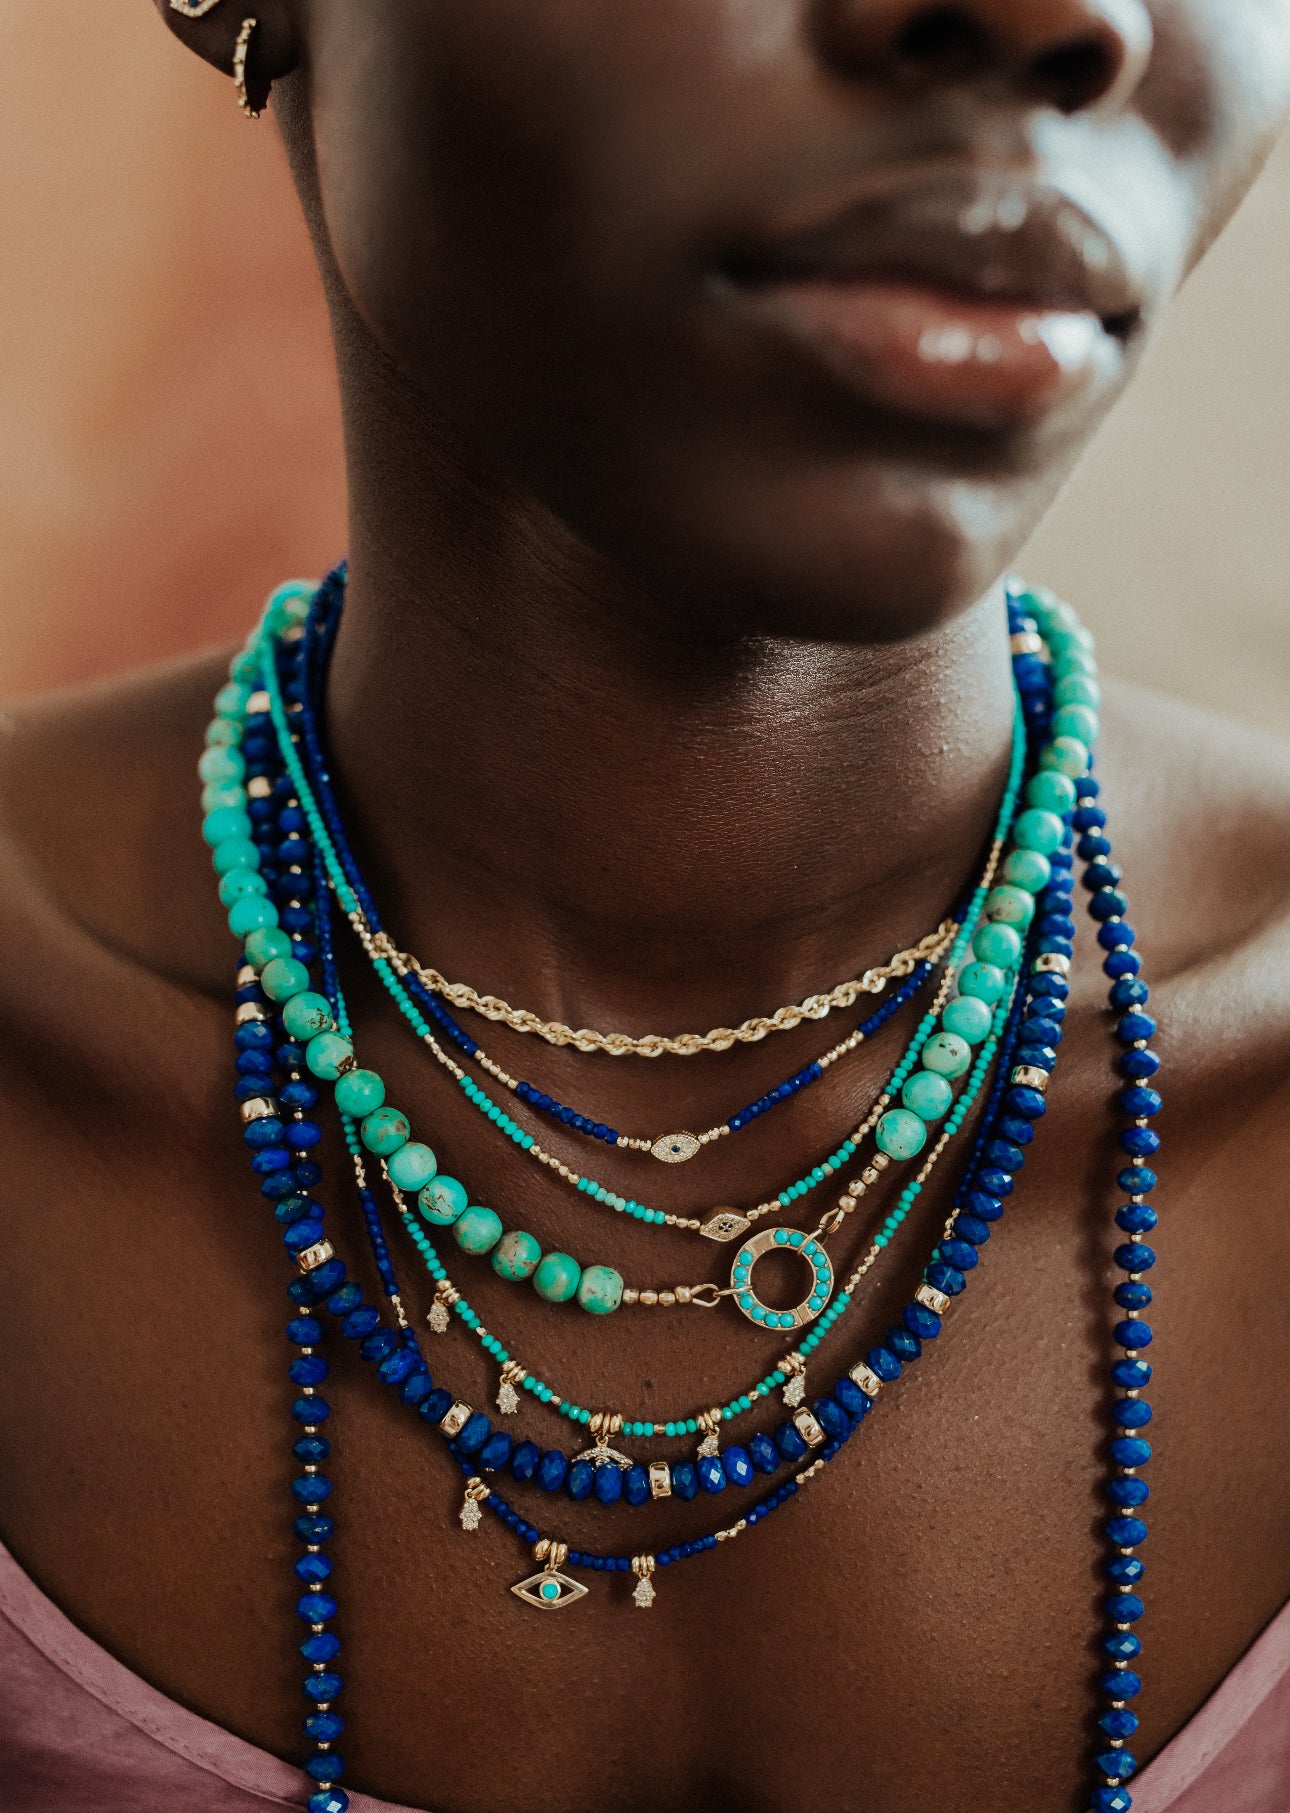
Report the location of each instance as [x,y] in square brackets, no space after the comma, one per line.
[996,969]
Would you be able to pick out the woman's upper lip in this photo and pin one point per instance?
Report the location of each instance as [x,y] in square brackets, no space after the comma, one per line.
[1009,238]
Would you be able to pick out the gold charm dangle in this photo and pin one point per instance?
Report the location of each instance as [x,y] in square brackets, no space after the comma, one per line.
[550,1591]
[795,1387]
[603,1425]
[470,1514]
[643,1568]
[708,1422]
[508,1398]
[444,1298]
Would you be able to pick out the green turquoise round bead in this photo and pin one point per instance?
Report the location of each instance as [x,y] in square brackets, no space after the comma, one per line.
[264,945]
[556,1278]
[516,1256]
[1027,869]
[225,822]
[241,884]
[284,978]
[1050,791]
[949,1055]
[412,1166]
[1010,905]
[600,1290]
[328,1054]
[997,944]
[221,764]
[984,980]
[305,1016]
[218,794]
[230,700]
[1077,689]
[251,914]
[235,853]
[477,1230]
[927,1095]
[384,1130]
[359,1093]
[967,1018]
[1066,755]
[1078,722]
[222,732]
[900,1134]
[1039,830]
[443,1200]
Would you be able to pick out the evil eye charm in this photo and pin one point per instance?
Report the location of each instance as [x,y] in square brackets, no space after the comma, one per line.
[550,1591]
[674,1148]
[790,1240]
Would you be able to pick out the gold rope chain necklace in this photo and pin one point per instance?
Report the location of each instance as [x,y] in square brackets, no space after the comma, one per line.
[686,1044]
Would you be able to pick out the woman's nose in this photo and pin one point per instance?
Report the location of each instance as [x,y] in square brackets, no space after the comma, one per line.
[1069,54]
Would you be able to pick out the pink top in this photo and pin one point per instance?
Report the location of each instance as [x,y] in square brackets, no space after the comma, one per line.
[78,1729]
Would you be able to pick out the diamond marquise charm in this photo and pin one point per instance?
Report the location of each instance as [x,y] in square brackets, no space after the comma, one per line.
[643,1568]
[709,1445]
[470,1514]
[726,1224]
[438,1318]
[508,1398]
[550,1591]
[795,1390]
[674,1148]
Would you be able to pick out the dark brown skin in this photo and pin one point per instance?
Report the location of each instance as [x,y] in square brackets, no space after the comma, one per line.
[661,699]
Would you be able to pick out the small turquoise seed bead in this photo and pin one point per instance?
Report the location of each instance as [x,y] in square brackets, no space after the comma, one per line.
[478,1230]
[1027,869]
[384,1131]
[1010,905]
[360,1093]
[241,884]
[443,1201]
[517,1256]
[600,1290]
[927,1095]
[985,981]
[412,1166]
[284,978]
[252,914]
[1039,830]
[264,945]
[305,1016]
[235,853]
[1067,755]
[225,822]
[1077,722]
[328,1054]
[997,944]
[948,1055]
[900,1134]
[967,1018]
[220,764]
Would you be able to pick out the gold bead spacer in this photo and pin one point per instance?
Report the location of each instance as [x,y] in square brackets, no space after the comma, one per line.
[1052,963]
[660,1479]
[809,1429]
[866,1378]
[456,1419]
[314,1256]
[931,1298]
[259,1108]
[1029,1076]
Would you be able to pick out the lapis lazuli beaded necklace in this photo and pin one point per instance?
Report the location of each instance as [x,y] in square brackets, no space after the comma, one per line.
[263,845]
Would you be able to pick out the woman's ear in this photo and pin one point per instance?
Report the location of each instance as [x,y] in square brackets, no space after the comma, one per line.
[212,28]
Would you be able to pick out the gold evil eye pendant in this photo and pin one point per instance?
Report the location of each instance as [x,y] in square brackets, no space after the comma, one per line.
[550,1591]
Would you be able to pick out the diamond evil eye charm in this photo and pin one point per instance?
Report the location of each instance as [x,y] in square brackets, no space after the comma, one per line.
[674,1148]
[550,1591]
[726,1224]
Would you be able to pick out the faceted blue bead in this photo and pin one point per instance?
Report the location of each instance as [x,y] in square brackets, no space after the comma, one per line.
[475,1433]
[1122,963]
[305,1331]
[316,1608]
[1102,874]
[1121,1724]
[553,1470]
[302,1233]
[921,1322]
[298,1095]
[608,1483]
[831,1417]
[325,1768]
[495,1452]
[524,1460]
[959,1253]
[970,1228]
[436,1407]
[1134,1257]
[1120,1684]
[738,1465]
[1131,1375]
[1125,1570]
[416,1386]
[1110,1800]
[904,1342]
[946,1278]
[1131,1413]
[324,1727]
[324,1280]
[313,1569]
[582,1477]
[685,1481]
[984,1204]
[712,1474]
[884,1363]
[1140,1102]
[851,1398]
[325,1686]
[1116,1763]
[764,1454]
[379,1345]
[1119,935]
[272,1161]
[322,1646]
[1128,1494]
[267,1132]
[311,1488]
[1122,1645]
[1124,1608]
[328,1800]
[1133,1334]
[1108,904]
[311,1449]
[1140,1142]
[314,1529]
[397,1367]
[1136,1217]
[1126,1532]
[1002,1154]
[1139,1064]
[1135,1026]
[636,1487]
[789,1442]
[1132,1296]
[347,1298]
[1130,1451]
[1028,1103]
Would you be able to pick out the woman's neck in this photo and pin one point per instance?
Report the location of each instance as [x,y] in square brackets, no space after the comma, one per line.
[568,797]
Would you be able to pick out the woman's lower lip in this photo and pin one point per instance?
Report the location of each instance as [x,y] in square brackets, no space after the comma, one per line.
[941,357]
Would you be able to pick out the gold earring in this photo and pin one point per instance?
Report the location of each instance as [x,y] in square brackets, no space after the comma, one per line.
[193,9]
[241,50]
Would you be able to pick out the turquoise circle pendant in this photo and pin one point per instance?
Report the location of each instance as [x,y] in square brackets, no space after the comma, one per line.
[772,1240]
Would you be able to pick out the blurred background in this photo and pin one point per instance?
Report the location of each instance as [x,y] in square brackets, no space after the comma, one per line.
[169,445]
